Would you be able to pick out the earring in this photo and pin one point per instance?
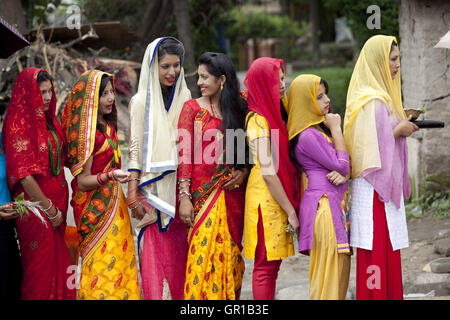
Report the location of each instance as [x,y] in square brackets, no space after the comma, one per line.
[221,86]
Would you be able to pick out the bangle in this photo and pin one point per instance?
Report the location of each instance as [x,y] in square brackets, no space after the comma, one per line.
[184,180]
[51,205]
[58,212]
[99,179]
[184,193]
[138,204]
[134,179]
[111,174]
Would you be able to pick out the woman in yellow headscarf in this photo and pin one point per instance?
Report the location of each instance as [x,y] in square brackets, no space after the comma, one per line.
[375,131]
[317,145]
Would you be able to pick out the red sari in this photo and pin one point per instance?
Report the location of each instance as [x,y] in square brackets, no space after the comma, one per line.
[214,266]
[28,147]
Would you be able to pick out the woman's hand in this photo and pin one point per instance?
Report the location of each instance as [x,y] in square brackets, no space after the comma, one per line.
[186,211]
[7,214]
[138,212]
[120,175]
[238,178]
[405,128]
[293,220]
[55,216]
[336,178]
[332,120]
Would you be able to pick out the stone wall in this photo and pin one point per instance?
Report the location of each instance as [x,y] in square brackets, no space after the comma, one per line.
[426,82]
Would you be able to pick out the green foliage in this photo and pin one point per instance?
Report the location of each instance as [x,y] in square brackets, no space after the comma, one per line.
[338,79]
[356,15]
[205,16]
[35,11]
[434,197]
[262,25]
[128,12]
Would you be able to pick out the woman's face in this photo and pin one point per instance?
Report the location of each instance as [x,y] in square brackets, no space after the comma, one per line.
[169,68]
[105,103]
[322,100]
[208,83]
[282,84]
[394,61]
[46,92]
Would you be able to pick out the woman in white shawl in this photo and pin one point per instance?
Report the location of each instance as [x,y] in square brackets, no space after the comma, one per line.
[153,161]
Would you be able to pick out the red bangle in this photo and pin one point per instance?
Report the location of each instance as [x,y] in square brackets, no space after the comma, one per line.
[110,174]
[99,179]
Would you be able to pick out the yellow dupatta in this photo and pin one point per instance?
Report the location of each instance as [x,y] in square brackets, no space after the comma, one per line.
[302,106]
[371,79]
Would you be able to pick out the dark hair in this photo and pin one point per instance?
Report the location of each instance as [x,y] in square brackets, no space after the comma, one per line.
[284,114]
[292,143]
[234,107]
[108,117]
[43,76]
[171,46]
[322,125]
[393,45]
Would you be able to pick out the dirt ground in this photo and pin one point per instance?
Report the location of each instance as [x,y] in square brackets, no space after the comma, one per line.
[293,281]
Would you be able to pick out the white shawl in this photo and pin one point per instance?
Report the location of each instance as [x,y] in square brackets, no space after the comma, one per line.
[153,135]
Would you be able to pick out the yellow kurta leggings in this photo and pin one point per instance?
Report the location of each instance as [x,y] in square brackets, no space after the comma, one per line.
[329,270]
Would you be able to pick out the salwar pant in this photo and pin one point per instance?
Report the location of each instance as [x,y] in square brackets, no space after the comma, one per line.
[265,272]
[379,271]
[329,270]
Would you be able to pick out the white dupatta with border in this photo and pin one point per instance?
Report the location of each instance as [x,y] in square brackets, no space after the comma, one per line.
[154,137]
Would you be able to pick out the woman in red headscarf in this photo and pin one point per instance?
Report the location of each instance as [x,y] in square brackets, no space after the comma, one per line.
[271,200]
[35,154]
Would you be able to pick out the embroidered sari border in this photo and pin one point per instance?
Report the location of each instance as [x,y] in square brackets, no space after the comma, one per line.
[204,212]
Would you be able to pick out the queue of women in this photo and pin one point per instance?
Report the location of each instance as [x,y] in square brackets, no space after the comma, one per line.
[199,218]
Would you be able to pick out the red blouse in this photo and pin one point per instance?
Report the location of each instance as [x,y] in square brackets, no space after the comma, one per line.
[201,172]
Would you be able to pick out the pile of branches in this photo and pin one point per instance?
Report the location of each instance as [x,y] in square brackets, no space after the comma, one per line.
[65,64]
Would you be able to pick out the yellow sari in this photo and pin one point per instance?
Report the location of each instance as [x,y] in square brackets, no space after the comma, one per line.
[214,266]
[106,243]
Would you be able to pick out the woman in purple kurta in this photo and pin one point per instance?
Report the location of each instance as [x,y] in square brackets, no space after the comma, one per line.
[317,146]
[317,157]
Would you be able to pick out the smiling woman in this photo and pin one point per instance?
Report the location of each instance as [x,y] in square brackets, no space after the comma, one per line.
[154,112]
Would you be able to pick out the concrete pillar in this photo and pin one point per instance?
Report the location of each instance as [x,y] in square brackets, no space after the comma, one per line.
[426,82]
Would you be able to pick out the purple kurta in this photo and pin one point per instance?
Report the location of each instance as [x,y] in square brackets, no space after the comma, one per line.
[318,157]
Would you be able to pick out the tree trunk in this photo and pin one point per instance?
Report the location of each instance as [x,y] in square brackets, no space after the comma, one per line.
[154,24]
[183,21]
[314,19]
[12,12]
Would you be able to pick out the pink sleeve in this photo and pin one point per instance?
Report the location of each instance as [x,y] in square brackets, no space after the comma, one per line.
[391,180]
[314,145]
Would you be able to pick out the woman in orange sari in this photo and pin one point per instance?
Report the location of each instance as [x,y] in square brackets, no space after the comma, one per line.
[212,188]
[106,244]
[35,154]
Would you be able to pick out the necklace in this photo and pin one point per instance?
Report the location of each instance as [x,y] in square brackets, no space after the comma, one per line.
[212,109]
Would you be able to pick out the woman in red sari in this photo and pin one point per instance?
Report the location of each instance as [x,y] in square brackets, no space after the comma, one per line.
[212,185]
[35,154]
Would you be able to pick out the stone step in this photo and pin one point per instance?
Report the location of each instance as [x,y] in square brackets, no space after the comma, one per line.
[442,247]
[423,282]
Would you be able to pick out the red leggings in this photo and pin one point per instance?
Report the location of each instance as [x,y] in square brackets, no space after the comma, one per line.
[265,272]
[379,271]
